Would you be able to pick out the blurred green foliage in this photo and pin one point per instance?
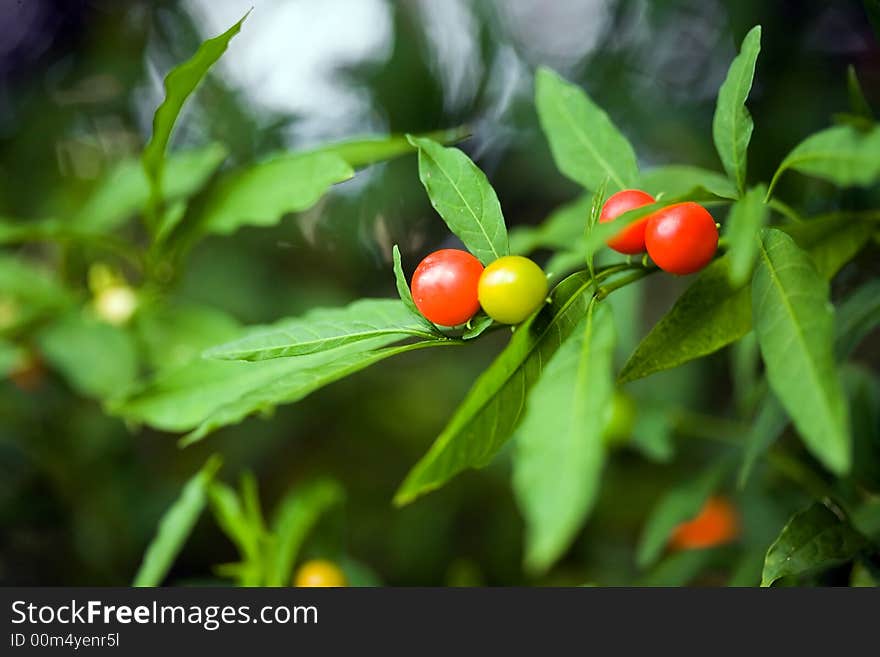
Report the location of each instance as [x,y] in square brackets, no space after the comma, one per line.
[81,493]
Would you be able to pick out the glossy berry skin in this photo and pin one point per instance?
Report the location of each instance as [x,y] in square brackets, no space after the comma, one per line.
[682,238]
[444,286]
[630,240]
[717,524]
[319,573]
[512,288]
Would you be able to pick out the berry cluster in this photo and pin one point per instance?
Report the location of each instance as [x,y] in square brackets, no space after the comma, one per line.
[449,287]
[681,239]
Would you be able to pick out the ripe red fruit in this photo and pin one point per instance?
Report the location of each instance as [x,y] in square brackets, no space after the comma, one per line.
[681,238]
[716,524]
[444,286]
[630,240]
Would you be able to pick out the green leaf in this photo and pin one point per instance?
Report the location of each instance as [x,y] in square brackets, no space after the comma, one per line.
[863,394]
[125,191]
[206,395]
[176,526]
[708,316]
[596,204]
[97,359]
[370,150]
[679,569]
[248,538]
[463,197]
[404,293]
[11,357]
[856,317]
[841,155]
[652,433]
[681,180]
[712,313]
[813,540]
[295,384]
[323,329]
[488,415]
[767,426]
[678,505]
[476,326]
[747,217]
[260,195]
[586,146]
[794,324]
[747,572]
[179,84]
[174,334]
[28,292]
[559,455]
[296,516]
[563,229]
[732,124]
[857,101]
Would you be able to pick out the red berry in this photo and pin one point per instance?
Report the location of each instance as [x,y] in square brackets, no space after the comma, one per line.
[444,286]
[681,238]
[630,240]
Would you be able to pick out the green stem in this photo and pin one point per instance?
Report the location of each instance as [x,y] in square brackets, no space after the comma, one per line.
[639,274]
[785,210]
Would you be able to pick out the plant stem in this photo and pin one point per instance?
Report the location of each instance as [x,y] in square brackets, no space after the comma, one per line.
[639,274]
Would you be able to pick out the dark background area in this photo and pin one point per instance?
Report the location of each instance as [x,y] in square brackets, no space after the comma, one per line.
[80,493]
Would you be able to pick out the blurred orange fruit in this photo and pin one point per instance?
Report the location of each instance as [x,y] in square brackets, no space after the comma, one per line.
[717,524]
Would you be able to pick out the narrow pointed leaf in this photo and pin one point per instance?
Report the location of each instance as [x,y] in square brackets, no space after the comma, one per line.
[586,145]
[747,217]
[179,84]
[476,326]
[125,190]
[559,453]
[732,124]
[232,519]
[841,155]
[324,329]
[680,568]
[295,384]
[260,195]
[487,417]
[767,426]
[364,151]
[857,317]
[463,197]
[679,505]
[684,180]
[794,324]
[176,526]
[858,104]
[206,395]
[712,313]
[404,292]
[296,516]
[813,540]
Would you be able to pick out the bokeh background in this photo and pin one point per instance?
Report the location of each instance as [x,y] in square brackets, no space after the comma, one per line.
[80,493]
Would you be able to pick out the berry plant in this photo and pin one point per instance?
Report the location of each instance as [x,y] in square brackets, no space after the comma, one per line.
[756,274]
